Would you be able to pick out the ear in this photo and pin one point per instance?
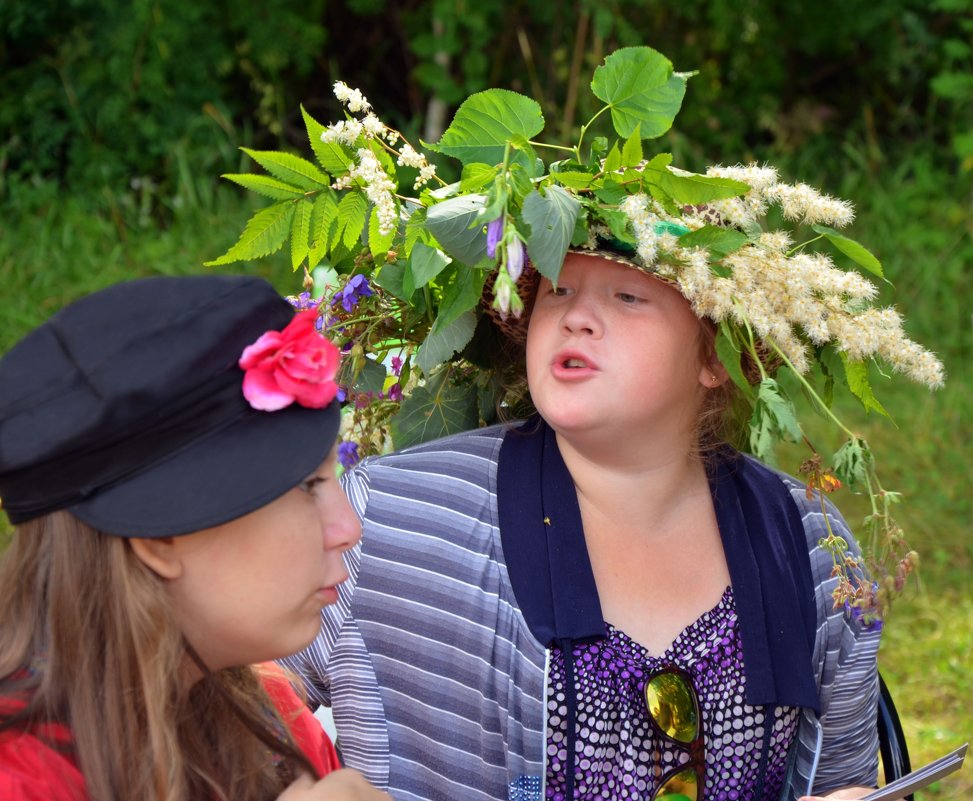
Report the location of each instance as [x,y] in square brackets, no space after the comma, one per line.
[712,373]
[159,554]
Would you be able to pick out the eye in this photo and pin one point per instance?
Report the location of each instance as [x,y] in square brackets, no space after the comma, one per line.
[559,291]
[628,298]
[309,485]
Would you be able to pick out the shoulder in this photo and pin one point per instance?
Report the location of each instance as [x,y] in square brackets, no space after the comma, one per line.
[468,458]
[480,443]
[32,770]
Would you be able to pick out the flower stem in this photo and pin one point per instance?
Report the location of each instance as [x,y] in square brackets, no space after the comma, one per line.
[584,130]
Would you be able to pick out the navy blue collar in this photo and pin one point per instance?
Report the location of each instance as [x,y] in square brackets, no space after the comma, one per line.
[763,540]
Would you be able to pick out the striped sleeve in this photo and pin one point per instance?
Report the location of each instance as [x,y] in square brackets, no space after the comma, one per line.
[846,661]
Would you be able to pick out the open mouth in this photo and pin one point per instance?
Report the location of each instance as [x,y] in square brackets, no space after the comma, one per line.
[574,363]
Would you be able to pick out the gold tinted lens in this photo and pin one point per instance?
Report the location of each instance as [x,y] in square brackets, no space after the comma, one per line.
[682,786]
[671,702]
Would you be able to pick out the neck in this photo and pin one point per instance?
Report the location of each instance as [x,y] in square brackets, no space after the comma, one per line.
[626,484]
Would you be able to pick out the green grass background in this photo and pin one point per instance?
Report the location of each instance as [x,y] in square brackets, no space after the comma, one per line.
[914,213]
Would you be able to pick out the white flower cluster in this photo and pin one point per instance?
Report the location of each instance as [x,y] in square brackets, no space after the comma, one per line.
[800,203]
[352,98]
[348,131]
[794,301]
[378,188]
[410,157]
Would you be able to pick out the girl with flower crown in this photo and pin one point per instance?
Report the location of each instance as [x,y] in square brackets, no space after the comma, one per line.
[169,465]
[533,608]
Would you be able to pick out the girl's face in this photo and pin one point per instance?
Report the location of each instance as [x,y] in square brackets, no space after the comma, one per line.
[252,589]
[616,351]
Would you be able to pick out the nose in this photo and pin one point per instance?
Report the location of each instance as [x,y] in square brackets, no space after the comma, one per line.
[581,315]
[341,529]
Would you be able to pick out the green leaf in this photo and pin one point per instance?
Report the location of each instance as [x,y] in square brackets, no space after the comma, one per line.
[300,232]
[486,121]
[378,243]
[265,185]
[450,220]
[773,419]
[572,179]
[290,168]
[613,161]
[853,250]
[415,231]
[856,374]
[520,181]
[391,277]
[476,176]
[632,151]
[351,219]
[729,356]
[690,190]
[642,90]
[551,218]
[610,192]
[332,156]
[462,291]
[852,462]
[439,346]
[718,241]
[433,412]
[371,377]
[425,264]
[264,234]
[323,215]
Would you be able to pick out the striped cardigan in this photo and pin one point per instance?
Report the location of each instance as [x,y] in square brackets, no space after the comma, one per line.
[437,685]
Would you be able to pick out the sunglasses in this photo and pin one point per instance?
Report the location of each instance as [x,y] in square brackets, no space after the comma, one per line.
[674,712]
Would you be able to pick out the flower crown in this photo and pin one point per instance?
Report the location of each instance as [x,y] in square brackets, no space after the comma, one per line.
[414,270]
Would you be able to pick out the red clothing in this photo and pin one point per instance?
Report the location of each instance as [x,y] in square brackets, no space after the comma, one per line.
[31,770]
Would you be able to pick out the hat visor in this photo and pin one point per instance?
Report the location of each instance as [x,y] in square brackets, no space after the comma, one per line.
[221,477]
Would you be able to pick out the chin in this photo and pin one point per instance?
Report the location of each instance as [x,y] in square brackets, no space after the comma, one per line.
[568,420]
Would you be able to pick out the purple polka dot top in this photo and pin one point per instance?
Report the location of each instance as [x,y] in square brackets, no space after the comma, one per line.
[618,753]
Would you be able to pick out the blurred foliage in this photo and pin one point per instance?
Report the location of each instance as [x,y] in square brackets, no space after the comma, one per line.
[101,92]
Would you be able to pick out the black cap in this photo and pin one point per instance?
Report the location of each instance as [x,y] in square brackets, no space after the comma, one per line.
[126,408]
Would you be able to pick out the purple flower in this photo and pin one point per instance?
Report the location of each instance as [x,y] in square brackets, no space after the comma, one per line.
[303,302]
[494,232]
[395,393]
[348,454]
[515,259]
[396,365]
[868,621]
[356,289]
[342,394]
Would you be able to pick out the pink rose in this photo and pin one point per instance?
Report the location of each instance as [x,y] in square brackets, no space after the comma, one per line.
[296,364]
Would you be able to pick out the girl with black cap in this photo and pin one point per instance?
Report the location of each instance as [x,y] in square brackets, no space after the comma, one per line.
[166,455]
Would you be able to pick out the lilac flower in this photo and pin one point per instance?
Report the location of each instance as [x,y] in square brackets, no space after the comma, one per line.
[395,393]
[494,232]
[356,289]
[342,394]
[396,365]
[303,302]
[348,454]
[515,259]
[869,622]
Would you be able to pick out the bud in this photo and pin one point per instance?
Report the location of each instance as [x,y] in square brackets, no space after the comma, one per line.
[501,293]
[515,259]
[494,232]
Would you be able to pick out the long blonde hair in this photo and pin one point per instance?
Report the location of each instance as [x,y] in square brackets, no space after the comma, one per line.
[87,639]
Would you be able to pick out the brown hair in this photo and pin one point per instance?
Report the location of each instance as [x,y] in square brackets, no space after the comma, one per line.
[87,640]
